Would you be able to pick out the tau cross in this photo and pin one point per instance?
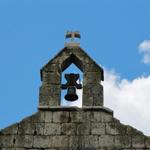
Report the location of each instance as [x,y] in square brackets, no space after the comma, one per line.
[73,35]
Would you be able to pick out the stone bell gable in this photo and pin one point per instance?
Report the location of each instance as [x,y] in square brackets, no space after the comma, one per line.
[54,127]
[51,78]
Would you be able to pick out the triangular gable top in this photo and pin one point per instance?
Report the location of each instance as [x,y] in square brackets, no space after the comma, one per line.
[74,55]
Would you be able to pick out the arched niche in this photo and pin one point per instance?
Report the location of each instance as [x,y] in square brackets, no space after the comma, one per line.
[51,78]
[72,68]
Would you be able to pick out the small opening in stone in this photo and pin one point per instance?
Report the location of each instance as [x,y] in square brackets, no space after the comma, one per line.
[14,141]
[35,132]
[72,69]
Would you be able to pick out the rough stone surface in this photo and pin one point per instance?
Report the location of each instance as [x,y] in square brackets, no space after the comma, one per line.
[70,130]
[53,127]
[51,78]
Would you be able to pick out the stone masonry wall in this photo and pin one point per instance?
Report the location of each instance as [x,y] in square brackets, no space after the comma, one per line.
[72,129]
[51,75]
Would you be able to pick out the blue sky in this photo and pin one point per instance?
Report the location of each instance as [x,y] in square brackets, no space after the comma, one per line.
[32,32]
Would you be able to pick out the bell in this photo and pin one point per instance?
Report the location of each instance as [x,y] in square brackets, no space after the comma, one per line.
[71,94]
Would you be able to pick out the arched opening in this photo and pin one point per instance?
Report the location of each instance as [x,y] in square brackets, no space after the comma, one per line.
[75,66]
[72,69]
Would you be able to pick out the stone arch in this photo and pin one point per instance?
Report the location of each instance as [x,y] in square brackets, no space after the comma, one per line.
[51,78]
[72,59]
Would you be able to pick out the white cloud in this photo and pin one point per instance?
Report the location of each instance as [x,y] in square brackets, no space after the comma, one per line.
[146,58]
[144,48]
[130,100]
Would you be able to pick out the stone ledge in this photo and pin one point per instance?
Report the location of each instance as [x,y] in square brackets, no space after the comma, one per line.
[72,44]
[74,108]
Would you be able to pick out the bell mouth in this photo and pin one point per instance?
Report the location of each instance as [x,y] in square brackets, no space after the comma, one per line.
[71,97]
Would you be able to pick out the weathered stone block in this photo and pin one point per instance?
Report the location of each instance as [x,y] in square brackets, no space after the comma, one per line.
[98,128]
[83,142]
[25,141]
[39,128]
[49,100]
[61,116]
[50,89]
[138,141]
[38,117]
[77,116]
[147,142]
[13,129]
[54,101]
[13,148]
[106,141]
[127,149]
[133,131]
[52,67]
[60,141]
[93,95]
[75,141]
[48,116]
[115,128]
[88,115]
[92,78]
[51,77]
[52,129]
[68,129]
[83,128]
[49,95]
[90,141]
[100,116]
[87,99]
[42,142]
[26,128]
[94,116]
[43,100]
[59,59]
[82,56]
[122,141]
[7,141]
[91,67]
[105,117]
[111,129]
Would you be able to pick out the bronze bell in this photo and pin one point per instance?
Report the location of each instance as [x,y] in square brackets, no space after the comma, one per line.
[71,94]
[71,86]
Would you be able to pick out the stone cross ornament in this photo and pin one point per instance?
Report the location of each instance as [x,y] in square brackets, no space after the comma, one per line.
[71,86]
[73,35]
[51,77]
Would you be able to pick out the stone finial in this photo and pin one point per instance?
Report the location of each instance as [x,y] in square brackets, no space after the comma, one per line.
[50,91]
